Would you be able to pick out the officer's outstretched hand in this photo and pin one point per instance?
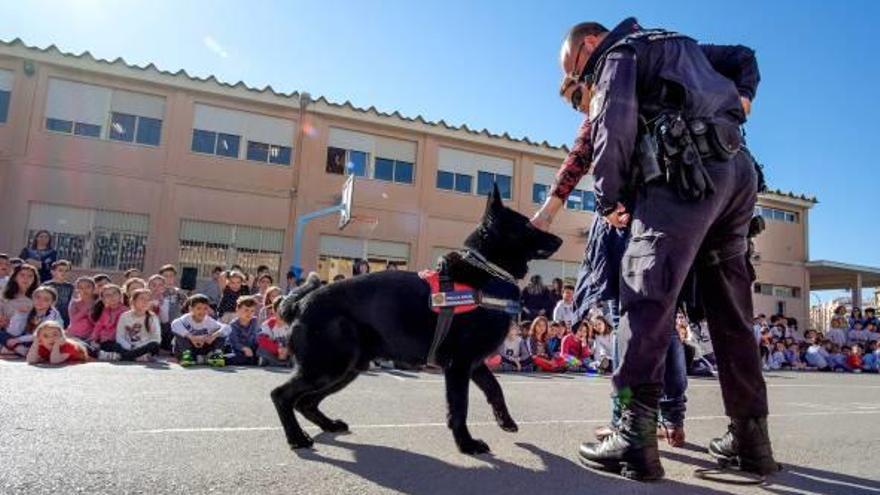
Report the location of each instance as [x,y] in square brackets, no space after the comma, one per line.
[619,218]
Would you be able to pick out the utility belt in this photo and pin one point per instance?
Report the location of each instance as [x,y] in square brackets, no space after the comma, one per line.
[674,149]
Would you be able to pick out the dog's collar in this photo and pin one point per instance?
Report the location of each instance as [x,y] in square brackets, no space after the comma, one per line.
[475,259]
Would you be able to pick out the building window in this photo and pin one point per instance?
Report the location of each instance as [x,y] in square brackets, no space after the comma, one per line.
[83,129]
[215,143]
[204,141]
[93,239]
[268,153]
[342,161]
[403,172]
[451,181]
[393,170]
[357,163]
[58,125]
[4,105]
[204,245]
[786,291]
[581,200]
[122,127]
[777,215]
[539,193]
[135,129]
[486,180]
[337,255]
[85,110]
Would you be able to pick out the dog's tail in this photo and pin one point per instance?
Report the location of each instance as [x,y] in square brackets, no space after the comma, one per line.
[289,307]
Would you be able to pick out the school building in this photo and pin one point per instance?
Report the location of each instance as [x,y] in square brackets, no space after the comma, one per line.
[137,167]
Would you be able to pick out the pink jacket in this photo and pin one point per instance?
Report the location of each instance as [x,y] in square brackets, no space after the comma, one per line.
[81,324]
[105,327]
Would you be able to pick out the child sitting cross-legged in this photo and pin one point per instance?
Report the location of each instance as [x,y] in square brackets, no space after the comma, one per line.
[138,333]
[198,338]
[273,340]
[42,309]
[53,347]
[576,348]
[242,333]
[106,313]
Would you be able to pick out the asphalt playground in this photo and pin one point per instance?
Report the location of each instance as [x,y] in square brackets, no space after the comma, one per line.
[155,429]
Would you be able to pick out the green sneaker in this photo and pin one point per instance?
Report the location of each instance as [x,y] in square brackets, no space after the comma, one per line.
[186,359]
[216,360]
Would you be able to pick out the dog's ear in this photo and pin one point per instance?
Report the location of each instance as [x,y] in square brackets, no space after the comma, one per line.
[494,203]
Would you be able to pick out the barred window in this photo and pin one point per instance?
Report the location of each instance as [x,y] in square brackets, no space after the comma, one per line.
[204,245]
[94,239]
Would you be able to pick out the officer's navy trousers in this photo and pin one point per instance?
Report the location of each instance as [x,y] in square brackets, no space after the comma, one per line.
[669,235]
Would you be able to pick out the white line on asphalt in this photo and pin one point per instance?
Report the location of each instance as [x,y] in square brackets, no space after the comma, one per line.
[606,383]
[485,423]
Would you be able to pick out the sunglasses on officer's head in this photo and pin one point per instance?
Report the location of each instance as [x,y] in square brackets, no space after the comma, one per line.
[571,79]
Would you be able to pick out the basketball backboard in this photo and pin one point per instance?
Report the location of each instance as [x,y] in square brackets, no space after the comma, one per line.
[347,195]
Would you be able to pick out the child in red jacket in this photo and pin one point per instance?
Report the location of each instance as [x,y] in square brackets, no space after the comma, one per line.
[576,348]
[273,340]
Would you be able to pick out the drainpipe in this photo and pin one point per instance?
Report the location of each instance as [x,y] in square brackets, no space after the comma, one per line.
[304,100]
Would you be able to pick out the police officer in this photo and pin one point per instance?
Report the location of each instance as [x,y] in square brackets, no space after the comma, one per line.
[654,95]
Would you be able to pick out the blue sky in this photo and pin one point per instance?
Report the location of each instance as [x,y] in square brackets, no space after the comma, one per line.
[493,64]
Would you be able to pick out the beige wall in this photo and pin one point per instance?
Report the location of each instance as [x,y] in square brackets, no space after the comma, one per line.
[170,183]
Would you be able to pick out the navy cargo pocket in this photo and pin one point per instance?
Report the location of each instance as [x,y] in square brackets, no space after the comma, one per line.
[642,270]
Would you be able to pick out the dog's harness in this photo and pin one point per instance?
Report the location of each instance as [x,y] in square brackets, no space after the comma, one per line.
[449,298]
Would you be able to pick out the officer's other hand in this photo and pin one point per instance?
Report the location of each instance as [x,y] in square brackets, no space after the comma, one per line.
[619,218]
[747,104]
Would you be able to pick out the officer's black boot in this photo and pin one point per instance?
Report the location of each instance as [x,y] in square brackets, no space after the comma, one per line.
[632,448]
[746,445]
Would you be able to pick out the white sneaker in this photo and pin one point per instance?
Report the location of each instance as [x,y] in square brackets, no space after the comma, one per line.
[108,356]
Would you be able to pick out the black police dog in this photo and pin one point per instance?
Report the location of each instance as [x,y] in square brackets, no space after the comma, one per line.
[337,330]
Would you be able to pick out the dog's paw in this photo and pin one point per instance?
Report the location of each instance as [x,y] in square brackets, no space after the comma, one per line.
[473,447]
[302,443]
[336,426]
[506,423]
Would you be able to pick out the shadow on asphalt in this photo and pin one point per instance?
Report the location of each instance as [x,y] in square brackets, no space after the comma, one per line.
[797,479]
[411,472]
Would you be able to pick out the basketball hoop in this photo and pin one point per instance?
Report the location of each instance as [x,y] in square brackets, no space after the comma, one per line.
[345,204]
[362,225]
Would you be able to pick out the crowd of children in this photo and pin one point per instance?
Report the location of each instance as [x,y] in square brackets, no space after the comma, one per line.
[542,345]
[46,319]
[851,344]
[231,320]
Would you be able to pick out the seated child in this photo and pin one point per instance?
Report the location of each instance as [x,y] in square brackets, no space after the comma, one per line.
[16,303]
[62,287]
[80,309]
[233,287]
[241,333]
[777,357]
[856,334]
[42,309]
[197,335]
[817,356]
[837,332]
[854,359]
[602,349]
[138,333]
[836,358]
[53,347]
[512,358]
[576,349]
[106,315]
[274,339]
[871,359]
[793,357]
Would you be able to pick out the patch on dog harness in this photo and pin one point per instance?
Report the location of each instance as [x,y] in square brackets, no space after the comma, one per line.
[462,299]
